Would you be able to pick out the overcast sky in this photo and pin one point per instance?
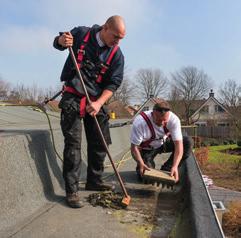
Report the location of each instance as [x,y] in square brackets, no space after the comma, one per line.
[160,34]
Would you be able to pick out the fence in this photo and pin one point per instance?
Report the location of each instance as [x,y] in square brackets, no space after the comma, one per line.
[219,132]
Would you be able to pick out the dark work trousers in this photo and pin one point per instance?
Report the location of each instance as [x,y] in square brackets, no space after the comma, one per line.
[72,129]
[149,155]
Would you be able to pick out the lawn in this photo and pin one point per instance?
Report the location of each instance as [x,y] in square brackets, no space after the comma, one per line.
[216,154]
[222,167]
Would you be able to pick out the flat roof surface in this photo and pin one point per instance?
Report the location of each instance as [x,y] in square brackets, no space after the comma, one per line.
[153,211]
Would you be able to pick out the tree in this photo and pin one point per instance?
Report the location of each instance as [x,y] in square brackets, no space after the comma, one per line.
[174,100]
[230,93]
[125,92]
[4,89]
[190,84]
[150,82]
[22,93]
[48,93]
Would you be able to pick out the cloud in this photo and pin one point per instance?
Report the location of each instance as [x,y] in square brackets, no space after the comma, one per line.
[28,30]
[19,39]
[71,12]
[34,25]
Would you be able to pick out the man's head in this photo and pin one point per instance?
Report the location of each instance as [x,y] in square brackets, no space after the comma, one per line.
[161,111]
[113,31]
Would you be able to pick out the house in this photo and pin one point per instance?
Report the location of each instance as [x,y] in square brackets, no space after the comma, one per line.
[147,105]
[119,109]
[204,112]
[211,113]
[131,109]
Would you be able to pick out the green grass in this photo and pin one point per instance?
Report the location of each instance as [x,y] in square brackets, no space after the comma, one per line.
[216,156]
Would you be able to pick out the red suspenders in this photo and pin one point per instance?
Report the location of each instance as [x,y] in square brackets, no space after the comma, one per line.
[153,134]
[145,144]
[104,67]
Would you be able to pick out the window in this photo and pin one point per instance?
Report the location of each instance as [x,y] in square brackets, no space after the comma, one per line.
[223,124]
[204,109]
[218,108]
[201,124]
[145,108]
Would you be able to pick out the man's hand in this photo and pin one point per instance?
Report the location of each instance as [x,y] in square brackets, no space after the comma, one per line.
[66,39]
[93,108]
[142,168]
[175,173]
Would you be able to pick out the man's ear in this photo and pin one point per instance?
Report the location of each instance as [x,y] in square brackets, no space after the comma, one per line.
[105,27]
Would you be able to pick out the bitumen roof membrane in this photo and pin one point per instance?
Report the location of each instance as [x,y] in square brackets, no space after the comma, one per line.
[152,212]
[32,189]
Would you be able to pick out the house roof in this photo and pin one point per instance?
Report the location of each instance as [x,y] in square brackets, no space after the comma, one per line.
[131,109]
[119,109]
[210,98]
[178,106]
[153,100]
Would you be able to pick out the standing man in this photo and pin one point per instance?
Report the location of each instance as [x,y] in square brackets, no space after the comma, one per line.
[101,63]
[155,132]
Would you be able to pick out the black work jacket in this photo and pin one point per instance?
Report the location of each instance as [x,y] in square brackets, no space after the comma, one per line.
[113,76]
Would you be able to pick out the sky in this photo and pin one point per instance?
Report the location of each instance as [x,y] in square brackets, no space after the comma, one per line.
[161,34]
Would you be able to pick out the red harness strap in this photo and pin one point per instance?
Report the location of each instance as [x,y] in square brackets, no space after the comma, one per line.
[80,57]
[82,104]
[107,64]
[81,50]
[145,144]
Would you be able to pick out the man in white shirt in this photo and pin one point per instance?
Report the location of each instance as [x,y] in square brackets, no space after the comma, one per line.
[155,132]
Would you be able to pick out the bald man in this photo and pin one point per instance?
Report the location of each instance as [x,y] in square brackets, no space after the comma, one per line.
[101,63]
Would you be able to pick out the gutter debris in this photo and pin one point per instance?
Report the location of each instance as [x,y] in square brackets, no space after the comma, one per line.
[107,199]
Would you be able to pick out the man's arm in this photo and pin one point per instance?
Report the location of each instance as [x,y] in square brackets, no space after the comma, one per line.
[178,152]
[135,152]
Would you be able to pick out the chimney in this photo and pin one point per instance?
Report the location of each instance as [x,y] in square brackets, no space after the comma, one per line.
[151,96]
[211,94]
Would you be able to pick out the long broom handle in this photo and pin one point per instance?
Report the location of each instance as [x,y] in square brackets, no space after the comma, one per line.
[96,122]
[52,98]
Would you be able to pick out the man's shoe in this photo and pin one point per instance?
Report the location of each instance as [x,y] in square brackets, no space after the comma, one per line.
[73,200]
[99,187]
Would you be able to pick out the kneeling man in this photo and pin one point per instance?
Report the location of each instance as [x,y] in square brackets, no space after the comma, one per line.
[158,131]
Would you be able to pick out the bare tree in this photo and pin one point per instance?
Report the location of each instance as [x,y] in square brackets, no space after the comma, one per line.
[31,94]
[14,96]
[190,84]
[230,96]
[49,92]
[4,89]
[174,99]
[21,93]
[124,92]
[230,93]
[151,82]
